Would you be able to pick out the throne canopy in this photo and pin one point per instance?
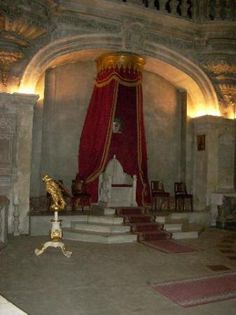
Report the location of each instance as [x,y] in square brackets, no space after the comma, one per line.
[114,124]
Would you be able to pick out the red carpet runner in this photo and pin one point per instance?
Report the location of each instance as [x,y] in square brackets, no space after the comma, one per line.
[143,224]
[200,291]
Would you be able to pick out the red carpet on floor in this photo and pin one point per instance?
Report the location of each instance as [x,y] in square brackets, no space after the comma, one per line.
[200,291]
[169,246]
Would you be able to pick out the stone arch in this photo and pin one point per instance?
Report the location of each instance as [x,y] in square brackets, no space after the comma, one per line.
[172,66]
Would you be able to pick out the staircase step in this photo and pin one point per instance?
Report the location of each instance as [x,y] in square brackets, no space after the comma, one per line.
[130,211]
[160,219]
[178,216]
[109,211]
[185,235]
[146,228]
[100,219]
[139,218]
[95,237]
[102,228]
[172,227]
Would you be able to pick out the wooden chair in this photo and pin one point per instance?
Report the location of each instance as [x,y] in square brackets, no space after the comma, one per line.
[159,195]
[181,196]
[80,196]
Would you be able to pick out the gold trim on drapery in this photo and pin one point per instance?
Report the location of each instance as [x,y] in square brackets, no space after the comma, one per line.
[115,76]
[120,59]
[99,170]
[139,142]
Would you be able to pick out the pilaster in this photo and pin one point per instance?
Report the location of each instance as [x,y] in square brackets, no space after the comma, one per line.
[17,167]
[213,158]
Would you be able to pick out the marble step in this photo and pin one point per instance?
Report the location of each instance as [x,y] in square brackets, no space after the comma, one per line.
[109,211]
[95,237]
[100,219]
[178,216]
[160,219]
[173,227]
[98,227]
[185,235]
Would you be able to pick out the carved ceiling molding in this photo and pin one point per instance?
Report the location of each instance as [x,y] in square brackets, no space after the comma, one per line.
[7,59]
[219,64]
[221,68]
[227,98]
[222,71]
[21,22]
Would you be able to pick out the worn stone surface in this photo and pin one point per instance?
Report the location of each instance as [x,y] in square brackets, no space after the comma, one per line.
[107,279]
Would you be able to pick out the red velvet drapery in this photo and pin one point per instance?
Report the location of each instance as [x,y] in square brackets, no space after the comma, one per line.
[117,94]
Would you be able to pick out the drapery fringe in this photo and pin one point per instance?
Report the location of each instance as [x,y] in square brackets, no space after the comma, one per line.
[119,79]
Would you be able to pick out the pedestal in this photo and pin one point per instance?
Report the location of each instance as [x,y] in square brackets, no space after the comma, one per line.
[56,238]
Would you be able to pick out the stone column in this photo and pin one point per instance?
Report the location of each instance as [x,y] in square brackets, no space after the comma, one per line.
[182,104]
[24,106]
[213,155]
[17,118]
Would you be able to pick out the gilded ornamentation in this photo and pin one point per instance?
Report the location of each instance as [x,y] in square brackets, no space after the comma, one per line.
[221,68]
[227,99]
[56,234]
[7,59]
[58,202]
[120,59]
[21,22]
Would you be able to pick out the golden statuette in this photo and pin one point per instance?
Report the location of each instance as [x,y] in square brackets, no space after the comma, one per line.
[53,188]
[57,204]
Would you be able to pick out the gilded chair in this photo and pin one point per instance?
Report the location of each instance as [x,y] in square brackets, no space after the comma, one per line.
[182,197]
[160,197]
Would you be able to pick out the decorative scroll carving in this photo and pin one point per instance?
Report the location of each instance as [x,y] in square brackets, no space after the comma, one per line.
[227,99]
[221,67]
[222,71]
[21,22]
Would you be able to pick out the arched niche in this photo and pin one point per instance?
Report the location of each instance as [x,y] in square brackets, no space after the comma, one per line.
[175,68]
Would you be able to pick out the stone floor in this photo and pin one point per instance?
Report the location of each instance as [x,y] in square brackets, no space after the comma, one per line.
[102,279]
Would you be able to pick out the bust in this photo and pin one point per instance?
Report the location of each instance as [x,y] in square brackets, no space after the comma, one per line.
[116,126]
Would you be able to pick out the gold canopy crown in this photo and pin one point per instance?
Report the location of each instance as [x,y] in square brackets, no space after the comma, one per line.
[120,59]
